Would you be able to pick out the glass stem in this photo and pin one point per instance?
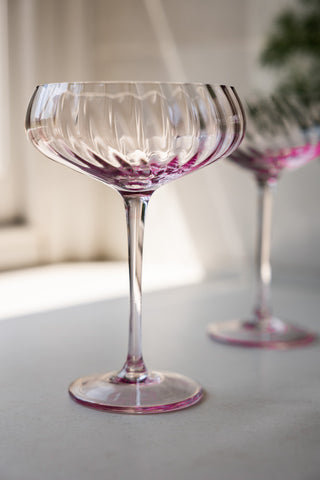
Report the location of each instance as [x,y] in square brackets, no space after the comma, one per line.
[134,369]
[263,307]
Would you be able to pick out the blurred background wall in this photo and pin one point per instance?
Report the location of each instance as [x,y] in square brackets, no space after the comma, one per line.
[208,219]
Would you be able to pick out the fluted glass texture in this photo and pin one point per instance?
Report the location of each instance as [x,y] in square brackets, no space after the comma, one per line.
[135,136]
[283,133]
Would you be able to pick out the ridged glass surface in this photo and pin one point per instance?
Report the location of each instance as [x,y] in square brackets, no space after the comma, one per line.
[283,133]
[135,136]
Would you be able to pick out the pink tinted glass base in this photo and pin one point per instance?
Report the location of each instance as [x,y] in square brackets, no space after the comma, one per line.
[160,392]
[270,333]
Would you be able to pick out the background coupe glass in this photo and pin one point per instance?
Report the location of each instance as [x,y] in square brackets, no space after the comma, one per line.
[283,133]
[135,137]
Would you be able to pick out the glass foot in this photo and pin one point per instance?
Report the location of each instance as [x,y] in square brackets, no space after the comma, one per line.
[268,333]
[159,392]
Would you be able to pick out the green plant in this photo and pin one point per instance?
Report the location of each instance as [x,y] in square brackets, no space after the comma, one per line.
[293,47]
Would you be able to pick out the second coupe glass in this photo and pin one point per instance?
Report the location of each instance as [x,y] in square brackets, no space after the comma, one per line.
[283,133]
[135,137]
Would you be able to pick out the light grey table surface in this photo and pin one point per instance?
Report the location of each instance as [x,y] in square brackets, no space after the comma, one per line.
[259,420]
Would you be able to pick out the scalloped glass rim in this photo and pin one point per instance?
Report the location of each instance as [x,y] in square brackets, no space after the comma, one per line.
[131,82]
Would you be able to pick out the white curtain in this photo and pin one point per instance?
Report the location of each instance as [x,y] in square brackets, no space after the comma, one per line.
[8,207]
[205,220]
[73,217]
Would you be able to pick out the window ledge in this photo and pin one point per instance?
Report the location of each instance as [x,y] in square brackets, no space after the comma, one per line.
[20,246]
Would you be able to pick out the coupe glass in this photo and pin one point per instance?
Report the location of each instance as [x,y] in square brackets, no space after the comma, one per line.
[283,133]
[135,137]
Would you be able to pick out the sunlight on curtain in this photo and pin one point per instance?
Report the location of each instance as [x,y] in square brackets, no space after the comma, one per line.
[4,88]
[75,218]
[210,224]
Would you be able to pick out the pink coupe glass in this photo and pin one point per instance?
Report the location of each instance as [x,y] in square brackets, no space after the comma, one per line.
[283,133]
[135,137]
